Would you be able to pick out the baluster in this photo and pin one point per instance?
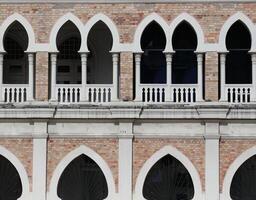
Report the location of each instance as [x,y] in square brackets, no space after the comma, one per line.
[7,95]
[148,94]
[61,95]
[163,95]
[19,95]
[99,95]
[90,95]
[78,95]
[153,95]
[143,95]
[174,95]
[74,94]
[104,95]
[14,94]
[94,95]
[238,98]
[249,95]
[158,98]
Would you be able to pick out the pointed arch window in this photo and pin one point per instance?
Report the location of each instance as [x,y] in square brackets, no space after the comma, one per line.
[15,60]
[68,58]
[168,179]
[244,181]
[10,182]
[99,61]
[184,65]
[153,62]
[238,60]
[82,179]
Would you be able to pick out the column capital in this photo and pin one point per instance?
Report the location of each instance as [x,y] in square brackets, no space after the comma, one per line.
[54,57]
[138,57]
[168,57]
[115,57]
[199,56]
[253,58]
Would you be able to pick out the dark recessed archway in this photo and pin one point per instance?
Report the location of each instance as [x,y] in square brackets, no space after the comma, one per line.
[238,60]
[184,64]
[153,62]
[68,60]
[82,179]
[10,182]
[243,185]
[15,63]
[99,61]
[168,179]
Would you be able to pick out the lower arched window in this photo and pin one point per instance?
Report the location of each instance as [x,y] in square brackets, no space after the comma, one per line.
[243,186]
[82,180]
[10,182]
[168,179]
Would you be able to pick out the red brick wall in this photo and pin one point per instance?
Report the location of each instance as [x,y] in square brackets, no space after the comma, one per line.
[23,150]
[143,149]
[229,151]
[59,148]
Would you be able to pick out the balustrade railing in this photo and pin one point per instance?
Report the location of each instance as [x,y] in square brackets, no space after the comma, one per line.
[15,93]
[159,93]
[235,93]
[99,93]
[68,93]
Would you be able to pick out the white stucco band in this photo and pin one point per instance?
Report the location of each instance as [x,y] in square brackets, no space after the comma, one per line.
[179,156]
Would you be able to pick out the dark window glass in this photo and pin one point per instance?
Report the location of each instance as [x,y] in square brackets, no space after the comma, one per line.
[82,180]
[184,62]
[10,183]
[243,186]
[153,62]
[15,61]
[238,60]
[168,179]
[69,48]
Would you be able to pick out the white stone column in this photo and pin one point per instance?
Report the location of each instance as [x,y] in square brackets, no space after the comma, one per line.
[1,76]
[253,92]
[168,95]
[115,58]
[223,96]
[39,160]
[200,76]
[212,161]
[137,76]
[31,76]
[84,76]
[125,161]
[53,76]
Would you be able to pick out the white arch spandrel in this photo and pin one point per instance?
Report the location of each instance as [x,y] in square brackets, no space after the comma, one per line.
[109,23]
[239,16]
[232,170]
[70,157]
[168,150]
[195,25]
[27,26]
[57,26]
[153,17]
[21,171]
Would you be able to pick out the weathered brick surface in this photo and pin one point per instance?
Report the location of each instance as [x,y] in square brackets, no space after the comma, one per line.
[229,151]
[41,78]
[23,150]
[211,76]
[59,148]
[126,76]
[145,148]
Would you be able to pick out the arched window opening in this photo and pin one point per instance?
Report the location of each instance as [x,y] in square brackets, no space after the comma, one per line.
[243,185]
[99,61]
[238,60]
[184,64]
[15,42]
[10,182]
[168,179]
[82,179]
[68,58]
[153,62]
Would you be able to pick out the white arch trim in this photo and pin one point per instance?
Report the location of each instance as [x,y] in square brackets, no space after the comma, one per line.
[57,26]
[239,16]
[20,169]
[232,170]
[24,22]
[179,156]
[153,17]
[196,26]
[109,23]
[71,156]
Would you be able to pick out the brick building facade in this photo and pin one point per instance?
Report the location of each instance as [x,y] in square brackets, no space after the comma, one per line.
[126,126]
